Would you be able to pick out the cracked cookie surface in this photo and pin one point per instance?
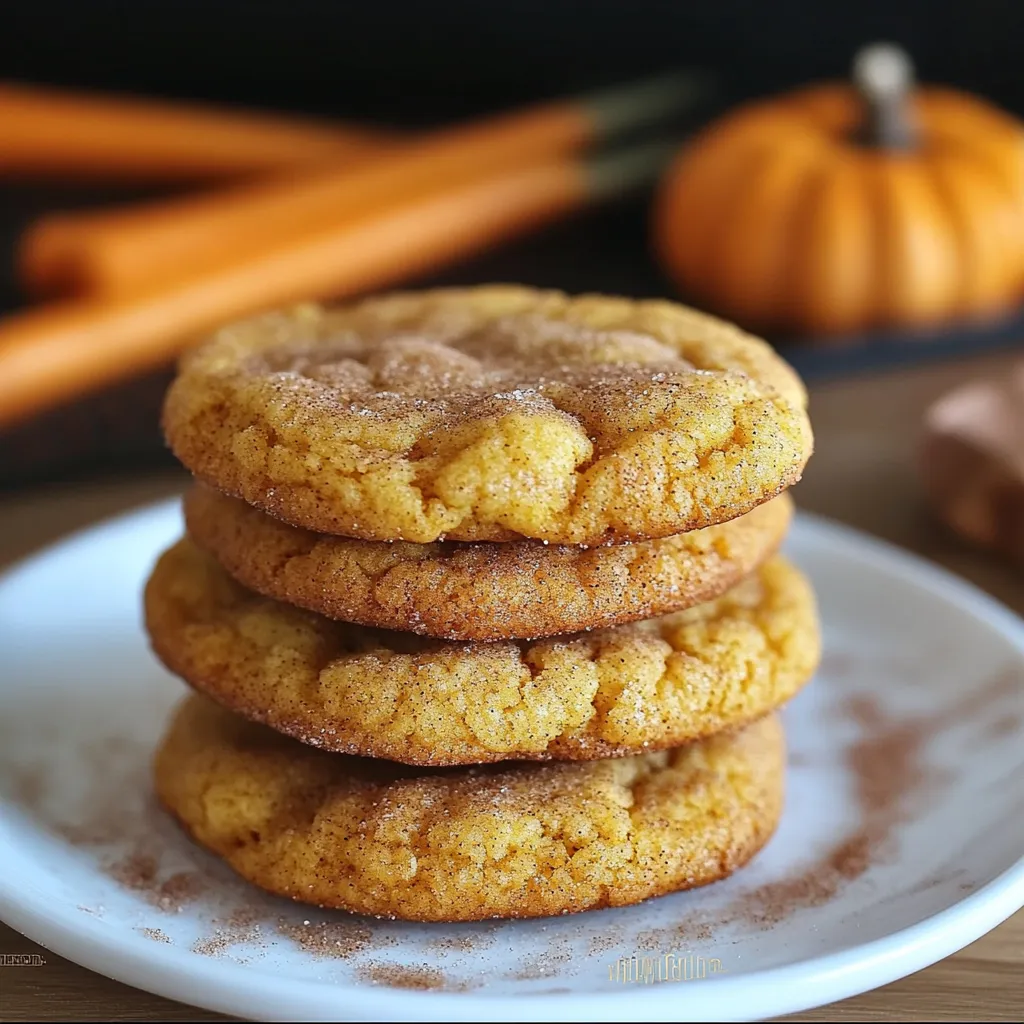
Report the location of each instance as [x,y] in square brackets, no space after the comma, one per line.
[481,591]
[515,840]
[491,414]
[642,686]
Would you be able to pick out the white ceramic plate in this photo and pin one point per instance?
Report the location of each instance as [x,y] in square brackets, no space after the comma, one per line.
[902,841]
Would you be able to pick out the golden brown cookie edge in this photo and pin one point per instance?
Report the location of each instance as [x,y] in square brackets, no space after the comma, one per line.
[766,767]
[433,596]
[329,734]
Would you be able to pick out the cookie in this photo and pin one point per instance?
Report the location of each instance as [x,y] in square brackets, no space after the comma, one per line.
[617,691]
[491,414]
[512,840]
[481,591]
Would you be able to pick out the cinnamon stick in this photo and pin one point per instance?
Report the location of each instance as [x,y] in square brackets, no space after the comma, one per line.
[127,250]
[53,133]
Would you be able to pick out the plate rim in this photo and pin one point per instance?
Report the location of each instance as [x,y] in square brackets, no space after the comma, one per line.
[227,987]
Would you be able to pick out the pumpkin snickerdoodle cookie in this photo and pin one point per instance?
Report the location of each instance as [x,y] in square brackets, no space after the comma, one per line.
[629,688]
[481,591]
[491,414]
[464,844]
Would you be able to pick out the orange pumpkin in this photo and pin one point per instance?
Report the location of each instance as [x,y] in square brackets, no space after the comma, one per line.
[840,208]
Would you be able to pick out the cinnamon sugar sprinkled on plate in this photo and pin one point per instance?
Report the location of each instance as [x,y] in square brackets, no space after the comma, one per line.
[421,978]
[330,939]
[241,927]
[892,776]
[138,871]
[604,941]
[1005,725]
[461,944]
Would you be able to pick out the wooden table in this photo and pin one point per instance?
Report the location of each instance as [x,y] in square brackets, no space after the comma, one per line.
[862,473]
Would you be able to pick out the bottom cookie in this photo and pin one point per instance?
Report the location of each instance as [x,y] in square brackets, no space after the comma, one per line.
[463,844]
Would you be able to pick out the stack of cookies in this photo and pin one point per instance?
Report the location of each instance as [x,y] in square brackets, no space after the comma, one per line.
[481,602]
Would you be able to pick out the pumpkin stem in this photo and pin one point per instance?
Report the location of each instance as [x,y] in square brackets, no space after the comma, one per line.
[884,75]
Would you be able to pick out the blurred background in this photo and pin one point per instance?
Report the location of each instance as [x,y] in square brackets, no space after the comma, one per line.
[419,67]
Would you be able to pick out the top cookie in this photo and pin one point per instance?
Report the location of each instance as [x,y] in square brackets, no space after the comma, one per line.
[491,414]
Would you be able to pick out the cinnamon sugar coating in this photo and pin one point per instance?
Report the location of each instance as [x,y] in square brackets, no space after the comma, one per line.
[643,686]
[512,840]
[491,414]
[481,591]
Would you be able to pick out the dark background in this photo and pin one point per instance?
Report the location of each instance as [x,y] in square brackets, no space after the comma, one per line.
[423,63]
[424,60]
